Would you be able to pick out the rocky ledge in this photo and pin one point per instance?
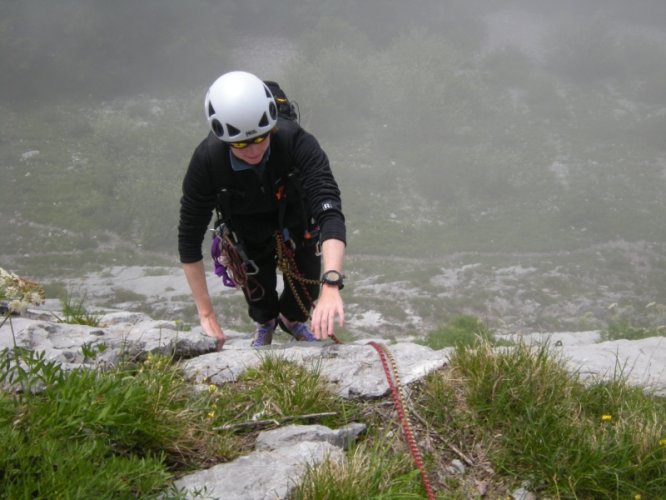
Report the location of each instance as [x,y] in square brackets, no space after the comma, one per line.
[281,456]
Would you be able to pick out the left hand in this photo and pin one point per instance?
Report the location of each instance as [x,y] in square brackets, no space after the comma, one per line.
[327,308]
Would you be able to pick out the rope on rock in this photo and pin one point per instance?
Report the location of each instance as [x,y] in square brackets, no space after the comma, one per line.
[287,264]
[393,379]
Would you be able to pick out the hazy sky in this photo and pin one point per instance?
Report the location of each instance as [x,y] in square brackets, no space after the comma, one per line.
[87,47]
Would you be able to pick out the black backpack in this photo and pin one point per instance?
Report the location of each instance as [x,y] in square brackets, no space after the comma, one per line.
[286,108]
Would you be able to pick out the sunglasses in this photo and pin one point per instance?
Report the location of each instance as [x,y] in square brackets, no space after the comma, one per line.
[245,144]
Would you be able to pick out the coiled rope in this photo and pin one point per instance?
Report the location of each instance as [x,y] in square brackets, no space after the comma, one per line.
[287,264]
[238,271]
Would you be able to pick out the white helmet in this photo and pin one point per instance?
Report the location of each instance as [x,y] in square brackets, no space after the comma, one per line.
[239,106]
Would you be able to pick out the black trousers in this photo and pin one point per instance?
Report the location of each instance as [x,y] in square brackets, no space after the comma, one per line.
[264,302]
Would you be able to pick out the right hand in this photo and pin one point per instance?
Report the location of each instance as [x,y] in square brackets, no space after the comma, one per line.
[211,328]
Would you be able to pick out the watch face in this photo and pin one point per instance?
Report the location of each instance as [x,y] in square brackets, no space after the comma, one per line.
[332,276]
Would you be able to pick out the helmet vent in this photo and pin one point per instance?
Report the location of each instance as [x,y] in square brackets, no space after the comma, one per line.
[268,92]
[211,110]
[272,110]
[233,131]
[218,130]
[264,120]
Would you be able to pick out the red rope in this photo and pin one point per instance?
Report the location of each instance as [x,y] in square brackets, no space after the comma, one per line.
[404,419]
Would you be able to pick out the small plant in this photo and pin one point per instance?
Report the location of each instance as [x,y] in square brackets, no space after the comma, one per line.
[91,350]
[17,294]
[462,331]
[276,389]
[76,313]
[627,323]
[370,471]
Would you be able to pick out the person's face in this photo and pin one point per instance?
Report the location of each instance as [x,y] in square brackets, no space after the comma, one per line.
[253,152]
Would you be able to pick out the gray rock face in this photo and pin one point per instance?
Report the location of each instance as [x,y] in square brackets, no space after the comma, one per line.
[119,336]
[641,363]
[287,436]
[277,466]
[352,369]
[261,475]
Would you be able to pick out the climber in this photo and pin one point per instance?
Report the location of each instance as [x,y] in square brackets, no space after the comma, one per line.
[272,184]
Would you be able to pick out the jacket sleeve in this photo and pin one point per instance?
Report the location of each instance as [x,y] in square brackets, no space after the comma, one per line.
[196,205]
[320,187]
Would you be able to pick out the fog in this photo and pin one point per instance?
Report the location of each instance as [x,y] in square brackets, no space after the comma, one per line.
[521,130]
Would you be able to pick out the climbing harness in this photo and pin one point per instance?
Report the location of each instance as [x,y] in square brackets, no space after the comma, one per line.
[232,264]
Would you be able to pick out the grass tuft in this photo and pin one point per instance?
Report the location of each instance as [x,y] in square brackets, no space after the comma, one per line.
[136,426]
[536,421]
[461,331]
[371,471]
[75,313]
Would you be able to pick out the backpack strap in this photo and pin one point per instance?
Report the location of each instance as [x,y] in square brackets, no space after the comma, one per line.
[287,182]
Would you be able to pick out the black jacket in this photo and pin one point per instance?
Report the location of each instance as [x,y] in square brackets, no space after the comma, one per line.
[254,207]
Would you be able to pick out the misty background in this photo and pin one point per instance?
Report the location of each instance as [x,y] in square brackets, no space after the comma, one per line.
[501,159]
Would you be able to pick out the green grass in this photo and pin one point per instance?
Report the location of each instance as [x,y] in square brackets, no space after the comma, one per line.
[461,331]
[636,322]
[628,331]
[536,421]
[134,425]
[276,389]
[140,424]
[372,470]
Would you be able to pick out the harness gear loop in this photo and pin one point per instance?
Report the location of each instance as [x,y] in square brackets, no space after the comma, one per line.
[240,268]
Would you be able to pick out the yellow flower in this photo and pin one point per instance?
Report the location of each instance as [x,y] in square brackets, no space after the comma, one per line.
[662,442]
[606,418]
[211,414]
[637,496]
[212,388]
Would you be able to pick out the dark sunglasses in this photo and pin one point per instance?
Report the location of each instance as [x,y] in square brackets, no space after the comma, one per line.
[242,145]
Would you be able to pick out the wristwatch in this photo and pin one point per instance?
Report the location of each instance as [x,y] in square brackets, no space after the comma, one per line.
[335,278]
